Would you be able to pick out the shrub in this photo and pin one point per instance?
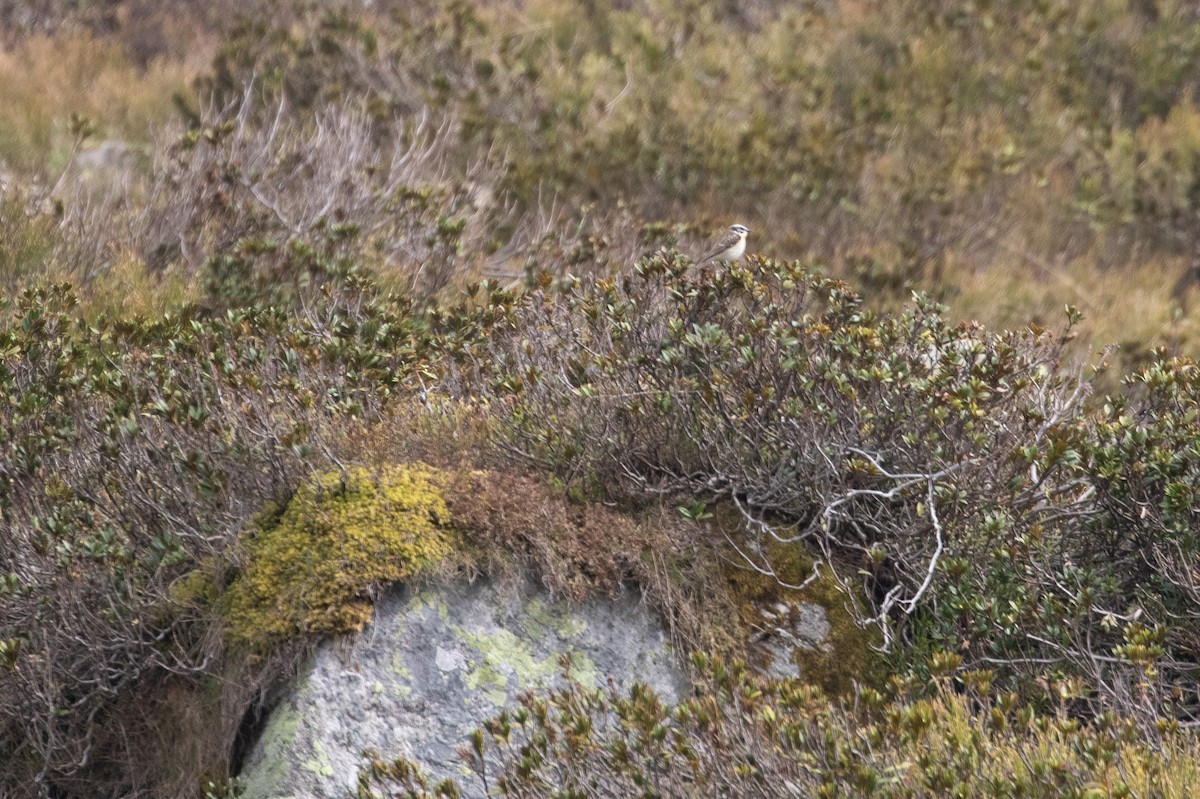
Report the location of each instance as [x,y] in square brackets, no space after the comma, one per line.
[881,147]
[262,211]
[1142,461]
[946,478]
[1093,587]
[950,477]
[884,441]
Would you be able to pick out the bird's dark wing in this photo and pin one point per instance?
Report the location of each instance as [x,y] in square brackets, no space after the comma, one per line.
[727,241]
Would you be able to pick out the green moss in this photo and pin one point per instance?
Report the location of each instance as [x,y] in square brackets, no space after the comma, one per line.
[311,569]
[196,588]
[846,656]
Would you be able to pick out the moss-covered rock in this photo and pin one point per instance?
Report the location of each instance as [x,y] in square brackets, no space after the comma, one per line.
[845,656]
[311,571]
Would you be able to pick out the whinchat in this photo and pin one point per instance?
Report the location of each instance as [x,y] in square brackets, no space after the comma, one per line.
[730,247]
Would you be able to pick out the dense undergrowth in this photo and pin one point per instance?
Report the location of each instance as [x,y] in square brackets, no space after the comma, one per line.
[1009,158]
[951,480]
[132,452]
[952,476]
[275,325]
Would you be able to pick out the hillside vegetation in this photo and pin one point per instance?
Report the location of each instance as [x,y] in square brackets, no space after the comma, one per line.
[272,276]
[1010,158]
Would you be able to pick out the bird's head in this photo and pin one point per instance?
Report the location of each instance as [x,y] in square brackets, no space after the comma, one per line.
[741,230]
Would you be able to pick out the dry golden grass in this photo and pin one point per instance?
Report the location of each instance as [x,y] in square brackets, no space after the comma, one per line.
[127,289]
[46,79]
[1134,308]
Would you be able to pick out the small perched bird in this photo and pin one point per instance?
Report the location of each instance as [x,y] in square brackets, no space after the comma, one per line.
[730,247]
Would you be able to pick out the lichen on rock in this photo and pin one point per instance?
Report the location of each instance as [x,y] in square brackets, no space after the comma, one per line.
[440,661]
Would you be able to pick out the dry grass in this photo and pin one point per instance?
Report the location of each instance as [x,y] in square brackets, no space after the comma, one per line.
[1134,308]
[46,79]
[128,289]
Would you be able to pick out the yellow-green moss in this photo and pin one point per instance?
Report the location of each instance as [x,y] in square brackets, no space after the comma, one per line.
[194,589]
[849,655]
[311,571]
[846,656]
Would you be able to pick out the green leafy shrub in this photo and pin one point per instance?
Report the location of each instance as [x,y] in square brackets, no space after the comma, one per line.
[1142,460]
[885,439]
[1092,588]
[947,478]
[311,570]
[950,478]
